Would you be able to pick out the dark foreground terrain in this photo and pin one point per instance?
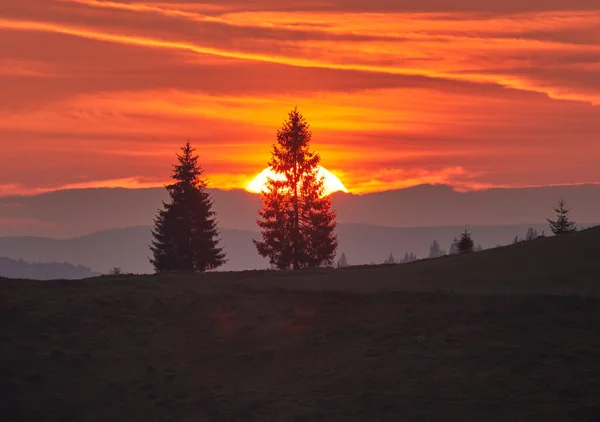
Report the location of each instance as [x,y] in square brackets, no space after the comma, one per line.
[510,334]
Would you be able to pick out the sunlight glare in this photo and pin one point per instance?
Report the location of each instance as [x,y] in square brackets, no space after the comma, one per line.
[332,182]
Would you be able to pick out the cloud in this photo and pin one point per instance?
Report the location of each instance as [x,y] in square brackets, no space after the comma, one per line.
[410,87]
[442,46]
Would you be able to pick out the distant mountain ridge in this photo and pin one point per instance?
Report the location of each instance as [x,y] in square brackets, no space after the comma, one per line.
[72,213]
[19,269]
[105,228]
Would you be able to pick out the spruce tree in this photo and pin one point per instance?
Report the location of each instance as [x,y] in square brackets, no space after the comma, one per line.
[296,221]
[453,247]
[408,257]
[434,250]
[343,261]
[390,259]
[562,224]
[531,234]
[185,234]
[465,243]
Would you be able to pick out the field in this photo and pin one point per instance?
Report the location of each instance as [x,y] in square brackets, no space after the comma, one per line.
[505,334]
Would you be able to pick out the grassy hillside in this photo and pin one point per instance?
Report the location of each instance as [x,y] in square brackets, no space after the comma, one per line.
[351,344]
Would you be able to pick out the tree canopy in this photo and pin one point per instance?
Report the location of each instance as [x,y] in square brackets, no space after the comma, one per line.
[185,234]
[465,243]
[562,224]
[434,250]
[297,223]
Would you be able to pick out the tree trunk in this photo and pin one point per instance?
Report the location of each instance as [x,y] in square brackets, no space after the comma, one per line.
[296,214]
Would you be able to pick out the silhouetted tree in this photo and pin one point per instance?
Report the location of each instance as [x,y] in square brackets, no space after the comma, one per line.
[343,261]
[531,234]
[408,257]
[390,260]
[296,221]
[434,250]
[465,243]
[562,224]
[185,234]
[115,271]
[453,247]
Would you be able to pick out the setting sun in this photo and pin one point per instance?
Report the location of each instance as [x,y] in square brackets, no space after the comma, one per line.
[332,182]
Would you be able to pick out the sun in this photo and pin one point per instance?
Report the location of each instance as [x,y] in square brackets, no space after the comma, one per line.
[331,181]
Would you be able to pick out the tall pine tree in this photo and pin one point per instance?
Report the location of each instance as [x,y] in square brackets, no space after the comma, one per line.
[562,224]
[185,235]
[296,221]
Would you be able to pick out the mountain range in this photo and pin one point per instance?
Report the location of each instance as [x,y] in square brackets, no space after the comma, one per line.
[105,228]
[77,212]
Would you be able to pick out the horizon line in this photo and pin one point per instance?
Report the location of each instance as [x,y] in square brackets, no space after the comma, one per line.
[458,188]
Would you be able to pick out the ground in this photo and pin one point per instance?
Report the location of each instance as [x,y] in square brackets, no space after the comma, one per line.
[508,334]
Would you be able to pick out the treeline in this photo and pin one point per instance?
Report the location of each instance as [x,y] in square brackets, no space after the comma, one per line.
[465,244]
[297,222]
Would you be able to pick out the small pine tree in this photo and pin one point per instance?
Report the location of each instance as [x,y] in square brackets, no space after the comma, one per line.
[115,271]
[531,234]
[465,243]
[297,223]
[562,224]
[454,247]
[434,250]
[408,257]
[390,260]
[343,261]
[185,234]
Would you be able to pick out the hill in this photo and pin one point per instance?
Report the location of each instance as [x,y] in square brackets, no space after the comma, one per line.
[497,335]
[128,249]
[78,212]
[12,268]
[563,265]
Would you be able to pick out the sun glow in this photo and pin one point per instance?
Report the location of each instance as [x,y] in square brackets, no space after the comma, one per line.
[331,181]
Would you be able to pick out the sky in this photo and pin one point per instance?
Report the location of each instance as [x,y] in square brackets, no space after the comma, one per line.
[470,93]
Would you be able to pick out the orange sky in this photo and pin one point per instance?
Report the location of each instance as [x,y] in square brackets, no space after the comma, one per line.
[102,93]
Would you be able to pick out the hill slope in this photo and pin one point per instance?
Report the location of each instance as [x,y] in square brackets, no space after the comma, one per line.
[566,264]
[336,345]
